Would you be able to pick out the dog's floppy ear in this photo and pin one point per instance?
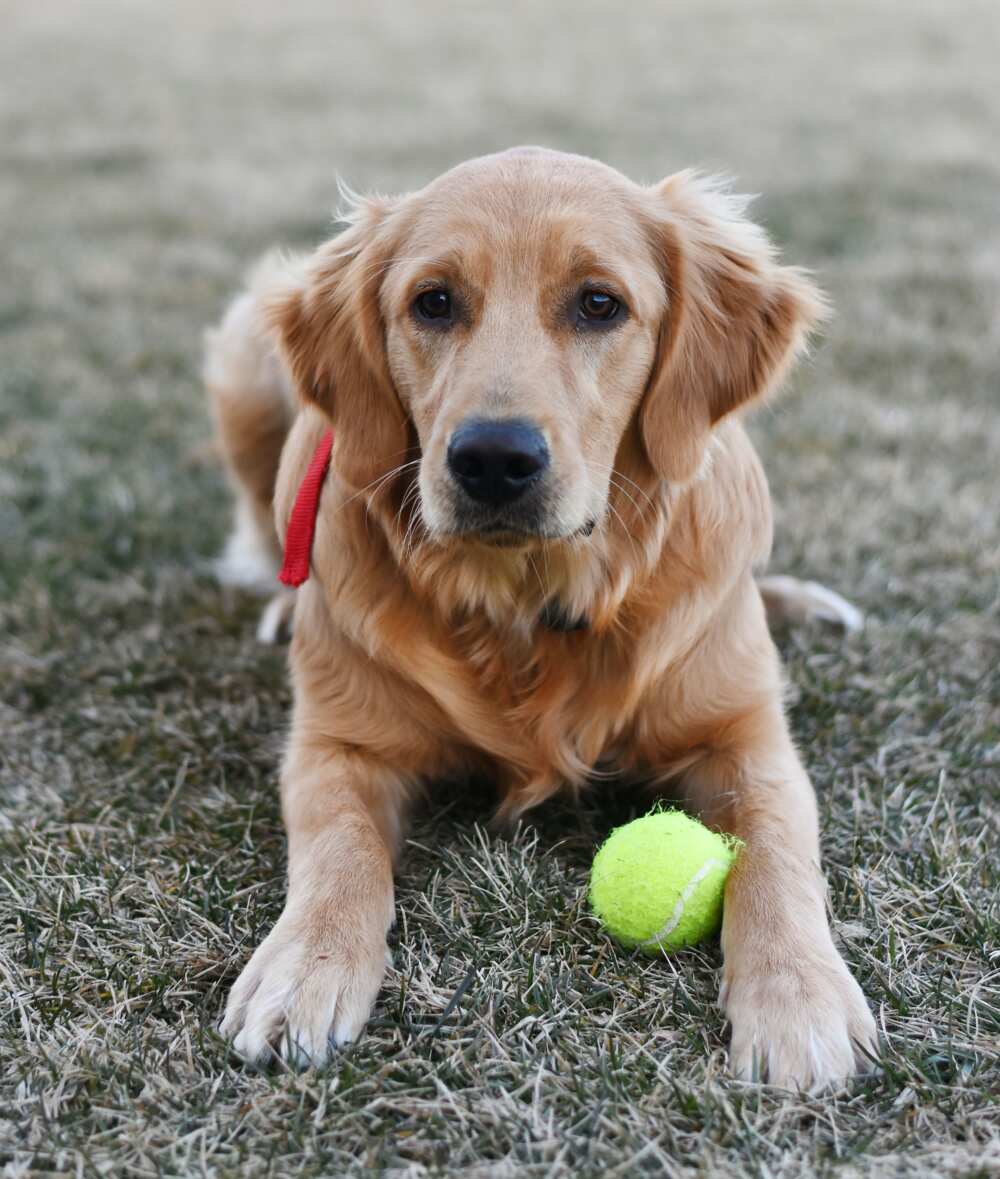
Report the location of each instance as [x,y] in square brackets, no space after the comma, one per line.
[735,319]
[330,332]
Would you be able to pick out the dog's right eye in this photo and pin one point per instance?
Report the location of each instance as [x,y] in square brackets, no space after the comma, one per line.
[433,306]
[598,307]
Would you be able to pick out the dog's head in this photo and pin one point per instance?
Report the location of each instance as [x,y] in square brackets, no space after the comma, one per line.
[514,327]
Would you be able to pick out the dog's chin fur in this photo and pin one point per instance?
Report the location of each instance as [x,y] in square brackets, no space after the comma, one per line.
[504,538]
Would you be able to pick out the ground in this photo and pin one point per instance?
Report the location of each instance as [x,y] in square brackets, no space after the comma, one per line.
[147,153]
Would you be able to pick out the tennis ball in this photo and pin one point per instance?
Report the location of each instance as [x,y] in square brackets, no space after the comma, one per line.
[657,882]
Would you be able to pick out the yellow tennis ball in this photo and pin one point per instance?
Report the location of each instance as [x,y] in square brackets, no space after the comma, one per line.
[657,882]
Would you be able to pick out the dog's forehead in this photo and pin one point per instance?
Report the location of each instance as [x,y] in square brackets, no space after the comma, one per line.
[528,203]
[526,173]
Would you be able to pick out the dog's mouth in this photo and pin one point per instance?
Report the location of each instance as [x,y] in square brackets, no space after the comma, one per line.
[506,535]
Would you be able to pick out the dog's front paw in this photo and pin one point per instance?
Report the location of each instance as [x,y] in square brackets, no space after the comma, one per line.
[802,1025]
[303,994]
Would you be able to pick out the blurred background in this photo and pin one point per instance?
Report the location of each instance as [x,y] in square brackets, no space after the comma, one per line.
[148,153]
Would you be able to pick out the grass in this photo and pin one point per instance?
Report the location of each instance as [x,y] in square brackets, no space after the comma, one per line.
[147,154]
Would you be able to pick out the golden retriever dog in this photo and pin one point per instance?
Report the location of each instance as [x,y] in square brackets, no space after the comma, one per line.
[534,555]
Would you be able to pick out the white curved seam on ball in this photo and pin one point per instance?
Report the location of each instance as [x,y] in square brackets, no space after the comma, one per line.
[682,900]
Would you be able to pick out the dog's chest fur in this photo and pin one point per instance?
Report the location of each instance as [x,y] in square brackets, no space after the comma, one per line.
[564,699]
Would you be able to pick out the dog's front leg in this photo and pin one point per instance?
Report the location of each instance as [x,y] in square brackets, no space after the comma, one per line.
[798,1017]
[309,987]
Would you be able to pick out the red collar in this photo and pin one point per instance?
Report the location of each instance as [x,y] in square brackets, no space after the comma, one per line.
[302,524]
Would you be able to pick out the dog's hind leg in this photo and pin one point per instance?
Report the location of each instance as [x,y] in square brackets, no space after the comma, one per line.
[253,408]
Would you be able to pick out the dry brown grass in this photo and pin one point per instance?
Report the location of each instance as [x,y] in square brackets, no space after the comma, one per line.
[147,153]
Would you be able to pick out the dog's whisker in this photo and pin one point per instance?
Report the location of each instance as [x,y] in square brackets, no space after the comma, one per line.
[416,522]
[412,492]
[384,480]
[631,539]
[615,477]
[538,578]
[645,494]
[640,510]
[376,484]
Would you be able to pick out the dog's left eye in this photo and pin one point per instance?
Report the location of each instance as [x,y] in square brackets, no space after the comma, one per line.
[434,305]
[598,307]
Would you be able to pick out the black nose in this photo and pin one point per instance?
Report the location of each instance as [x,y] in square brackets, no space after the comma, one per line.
[495,462]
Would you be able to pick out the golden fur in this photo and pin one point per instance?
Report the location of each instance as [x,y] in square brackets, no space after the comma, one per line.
[419,650]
